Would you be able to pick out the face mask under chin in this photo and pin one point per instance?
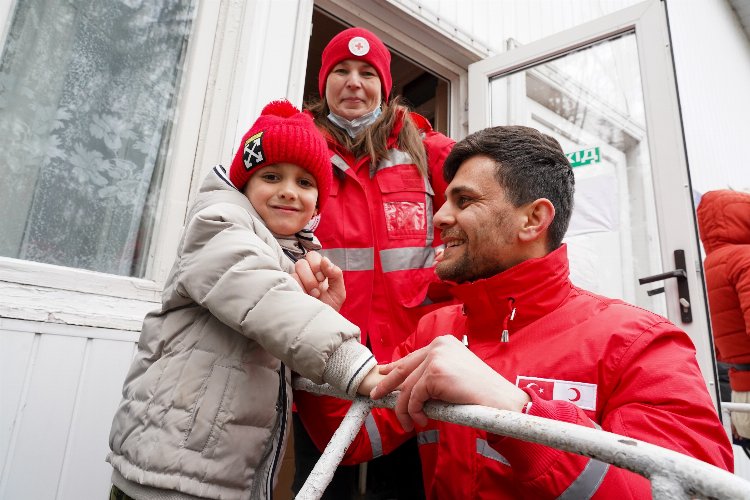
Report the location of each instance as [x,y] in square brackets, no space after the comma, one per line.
[356,126]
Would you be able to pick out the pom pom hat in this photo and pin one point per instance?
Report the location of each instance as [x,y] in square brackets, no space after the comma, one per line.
[360,45]
[282,134]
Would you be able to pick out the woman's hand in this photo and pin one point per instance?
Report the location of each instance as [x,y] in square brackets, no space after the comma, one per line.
[321,278]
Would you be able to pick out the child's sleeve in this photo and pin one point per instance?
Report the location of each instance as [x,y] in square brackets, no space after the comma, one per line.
[224,266]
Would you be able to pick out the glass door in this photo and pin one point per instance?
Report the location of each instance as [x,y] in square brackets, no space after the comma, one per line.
[605,90]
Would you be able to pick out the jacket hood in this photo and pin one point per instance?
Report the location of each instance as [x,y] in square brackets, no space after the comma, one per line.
[724,219]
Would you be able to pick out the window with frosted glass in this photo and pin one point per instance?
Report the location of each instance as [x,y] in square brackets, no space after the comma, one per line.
[88,91]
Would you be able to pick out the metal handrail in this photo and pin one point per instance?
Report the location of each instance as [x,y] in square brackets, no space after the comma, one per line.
[727,407]
[672,475]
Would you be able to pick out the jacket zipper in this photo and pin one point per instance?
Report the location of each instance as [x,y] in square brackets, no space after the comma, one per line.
[282,430]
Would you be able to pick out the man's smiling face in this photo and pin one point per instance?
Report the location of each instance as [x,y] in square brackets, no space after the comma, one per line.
[478,225]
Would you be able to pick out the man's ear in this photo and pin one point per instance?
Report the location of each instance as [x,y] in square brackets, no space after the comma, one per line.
[539,215]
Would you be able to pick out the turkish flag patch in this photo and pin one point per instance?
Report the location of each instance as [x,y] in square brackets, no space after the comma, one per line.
[580,394]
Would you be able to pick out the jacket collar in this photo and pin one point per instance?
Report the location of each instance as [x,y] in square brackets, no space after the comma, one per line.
[536,287]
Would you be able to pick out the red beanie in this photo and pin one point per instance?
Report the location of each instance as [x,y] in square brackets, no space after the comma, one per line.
[360,45]
[282,134]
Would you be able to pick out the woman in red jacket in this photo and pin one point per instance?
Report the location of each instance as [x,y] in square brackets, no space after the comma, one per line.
[377,226]
[724,223]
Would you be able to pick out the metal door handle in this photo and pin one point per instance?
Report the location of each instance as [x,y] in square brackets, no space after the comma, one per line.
[677,273]
[683,290]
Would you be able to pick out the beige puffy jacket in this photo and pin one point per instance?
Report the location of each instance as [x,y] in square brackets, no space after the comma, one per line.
[207,400]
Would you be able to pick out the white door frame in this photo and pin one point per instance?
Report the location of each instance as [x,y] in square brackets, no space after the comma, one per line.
[674,206]
[429,44]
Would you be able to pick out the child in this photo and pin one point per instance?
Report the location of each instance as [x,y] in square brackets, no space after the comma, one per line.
[206,403]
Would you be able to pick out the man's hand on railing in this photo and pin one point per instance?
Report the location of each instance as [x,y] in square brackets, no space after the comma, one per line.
[448,371]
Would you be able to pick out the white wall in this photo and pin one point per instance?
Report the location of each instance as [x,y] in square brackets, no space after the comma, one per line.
[712,64]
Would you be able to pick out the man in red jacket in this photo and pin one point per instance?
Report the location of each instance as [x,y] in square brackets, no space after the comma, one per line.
[526,339]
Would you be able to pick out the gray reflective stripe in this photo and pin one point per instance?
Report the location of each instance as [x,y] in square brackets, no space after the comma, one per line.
[401,259]
[487,451]
[339,163]
[430,213]
[428,437]
[588,481]
[374,434]
[394,157]
[351,259]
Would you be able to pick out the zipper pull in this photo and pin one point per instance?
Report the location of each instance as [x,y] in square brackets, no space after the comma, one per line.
[505,336]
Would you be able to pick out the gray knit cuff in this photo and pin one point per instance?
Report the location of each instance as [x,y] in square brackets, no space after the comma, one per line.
[348,366]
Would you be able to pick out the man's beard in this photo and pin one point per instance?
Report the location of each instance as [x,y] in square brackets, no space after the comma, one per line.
[466,268]
[456,271]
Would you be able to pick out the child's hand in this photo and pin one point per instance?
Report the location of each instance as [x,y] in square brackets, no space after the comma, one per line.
[370,381]
[321,278]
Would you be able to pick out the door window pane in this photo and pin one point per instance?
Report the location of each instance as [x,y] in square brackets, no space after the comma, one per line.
[591,101]
[88,90]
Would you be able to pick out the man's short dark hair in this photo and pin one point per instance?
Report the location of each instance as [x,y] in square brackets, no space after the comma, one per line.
[529,165]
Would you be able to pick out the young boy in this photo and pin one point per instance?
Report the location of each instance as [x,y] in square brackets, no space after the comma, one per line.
[207,401]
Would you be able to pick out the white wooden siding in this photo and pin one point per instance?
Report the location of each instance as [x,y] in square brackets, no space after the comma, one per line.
[59,388]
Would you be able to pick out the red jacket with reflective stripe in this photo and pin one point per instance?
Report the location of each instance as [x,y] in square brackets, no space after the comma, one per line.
[377,226]
[583,359]
[724,223]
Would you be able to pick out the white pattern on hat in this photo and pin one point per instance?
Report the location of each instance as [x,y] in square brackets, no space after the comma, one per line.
[359,46]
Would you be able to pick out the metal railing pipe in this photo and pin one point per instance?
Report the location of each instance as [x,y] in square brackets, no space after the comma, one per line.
[322,474]
[738,407]
[666,469]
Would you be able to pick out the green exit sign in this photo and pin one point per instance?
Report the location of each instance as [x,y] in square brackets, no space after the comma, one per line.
[584,157]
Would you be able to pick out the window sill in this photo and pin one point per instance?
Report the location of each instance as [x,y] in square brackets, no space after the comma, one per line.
[53,294]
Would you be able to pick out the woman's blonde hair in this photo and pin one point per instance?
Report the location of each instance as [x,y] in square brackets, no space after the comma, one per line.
[374,141]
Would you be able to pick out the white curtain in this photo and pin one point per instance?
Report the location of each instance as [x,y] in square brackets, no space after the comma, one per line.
[87,96]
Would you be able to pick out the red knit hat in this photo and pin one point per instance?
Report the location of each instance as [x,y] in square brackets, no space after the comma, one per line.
[282,134]
[360,45]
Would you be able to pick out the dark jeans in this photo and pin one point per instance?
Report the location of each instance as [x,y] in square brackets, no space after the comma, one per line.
[394,476]
[724,389]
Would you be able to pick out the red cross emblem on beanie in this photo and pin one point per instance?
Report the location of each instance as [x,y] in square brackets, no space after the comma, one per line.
[359,46]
